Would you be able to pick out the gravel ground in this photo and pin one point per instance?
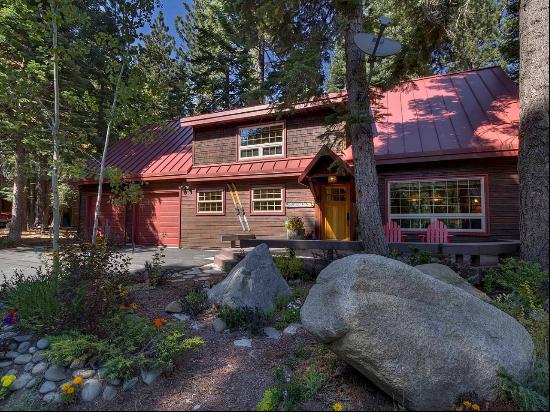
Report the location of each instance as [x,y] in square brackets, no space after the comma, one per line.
[221,376]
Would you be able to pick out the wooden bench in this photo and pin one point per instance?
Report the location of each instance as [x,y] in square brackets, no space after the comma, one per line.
[234,238]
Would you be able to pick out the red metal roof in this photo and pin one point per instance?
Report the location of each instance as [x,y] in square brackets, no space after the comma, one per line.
[470,112]
[259,168]
[168,154]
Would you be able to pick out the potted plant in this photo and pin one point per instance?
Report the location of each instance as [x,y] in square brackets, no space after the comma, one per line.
[294,228]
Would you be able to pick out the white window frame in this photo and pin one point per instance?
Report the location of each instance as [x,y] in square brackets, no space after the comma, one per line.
[439,216]
[281,211]
[198,201]
[260,147]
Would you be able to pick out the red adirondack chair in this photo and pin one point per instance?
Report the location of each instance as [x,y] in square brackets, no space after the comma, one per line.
[392,231]
[437,232]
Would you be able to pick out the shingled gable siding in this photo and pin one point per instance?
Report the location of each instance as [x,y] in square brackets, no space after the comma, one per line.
[218,144]
[502,179]
[205,231]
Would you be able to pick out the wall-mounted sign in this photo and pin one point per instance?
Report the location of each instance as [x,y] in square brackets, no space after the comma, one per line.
[295,205]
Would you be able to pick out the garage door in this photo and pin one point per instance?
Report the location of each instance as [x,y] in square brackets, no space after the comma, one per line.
[112,219]
[157,219]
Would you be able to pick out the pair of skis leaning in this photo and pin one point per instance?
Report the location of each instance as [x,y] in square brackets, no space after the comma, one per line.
[238,207]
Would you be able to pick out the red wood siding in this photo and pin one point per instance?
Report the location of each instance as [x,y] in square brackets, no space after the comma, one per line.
[157,219]
[205,231]
[111,218]
[502,191]
[219,144]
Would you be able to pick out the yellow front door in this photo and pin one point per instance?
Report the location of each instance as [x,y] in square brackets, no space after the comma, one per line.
[336,212]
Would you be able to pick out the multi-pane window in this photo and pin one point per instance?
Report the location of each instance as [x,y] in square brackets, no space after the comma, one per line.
[261,141]
[459,203]
[210,201]
[267,200]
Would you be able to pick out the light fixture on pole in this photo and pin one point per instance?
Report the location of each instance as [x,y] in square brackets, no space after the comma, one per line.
[377,45]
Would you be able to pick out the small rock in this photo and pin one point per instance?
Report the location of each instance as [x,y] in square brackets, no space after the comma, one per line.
[46,387]
[90,390]
[243,343]
[272,333]
[102,373]
[149,376]
[13,346]
[109,393]
[55,373]
[181,316]
[95,362]
[129,384]
[52,397]
[114,382]
[23,347]
[39,368]
[197,407]
[12,354]
[219,325]
[292,329]
[22,359]
[84,373]
[39,356]
[174,307]
[22,338]
[43,343]
[7,335]
[77,363]
[12,372]
[6,363]
[195,325]
[32,383]
[32,350]
[21,381]
[28,367]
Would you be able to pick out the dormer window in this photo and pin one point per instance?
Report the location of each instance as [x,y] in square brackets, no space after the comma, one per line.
[261,141]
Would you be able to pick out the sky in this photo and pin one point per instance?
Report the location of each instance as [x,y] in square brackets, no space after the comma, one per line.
[171,9]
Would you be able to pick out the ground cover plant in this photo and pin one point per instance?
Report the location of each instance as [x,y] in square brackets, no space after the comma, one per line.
[195,301]
[290,266]
[153,270]
[520,288]
[81,301]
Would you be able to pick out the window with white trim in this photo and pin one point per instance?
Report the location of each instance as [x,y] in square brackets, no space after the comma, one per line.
[210,201]
[459,203]
[267,199]
[261,141]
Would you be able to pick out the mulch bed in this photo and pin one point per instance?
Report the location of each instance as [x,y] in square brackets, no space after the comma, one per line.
[221,376]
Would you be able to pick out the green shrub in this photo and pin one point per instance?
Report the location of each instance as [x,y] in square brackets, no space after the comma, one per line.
[271,399]
[34,298]
[290,266]
[286,309]
[153,270]
[133,343]
[525,397]
[243,318]
[195,301]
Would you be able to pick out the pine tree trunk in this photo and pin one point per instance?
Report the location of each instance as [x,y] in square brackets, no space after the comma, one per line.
[18,204]
[533,151]
[31,213]
[43,205]
[261,64]
[55,130]
[361,137]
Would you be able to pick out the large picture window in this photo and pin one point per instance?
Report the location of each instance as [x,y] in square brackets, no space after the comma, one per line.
[210,201]
[459,203]
[261,141]
[267,200]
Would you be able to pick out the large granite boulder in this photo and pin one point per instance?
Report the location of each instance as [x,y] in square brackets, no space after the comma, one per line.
[422,341]
[252,283]
[447,275]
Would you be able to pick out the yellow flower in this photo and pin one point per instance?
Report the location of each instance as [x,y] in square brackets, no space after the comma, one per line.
[67,388]
[337,406]
[467,404]
[134,306]
[475,407]
[7,380]
[78,380]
